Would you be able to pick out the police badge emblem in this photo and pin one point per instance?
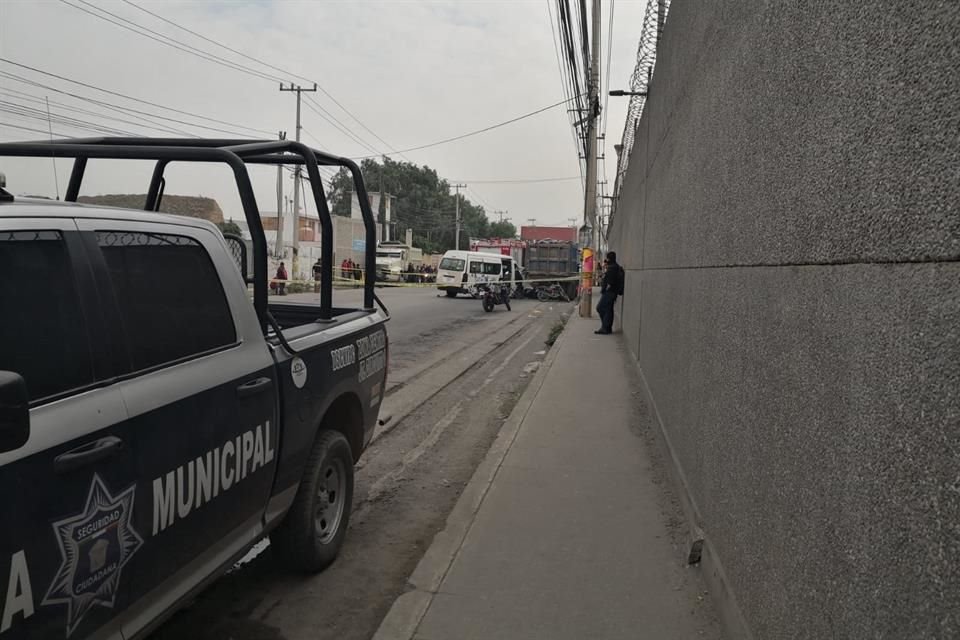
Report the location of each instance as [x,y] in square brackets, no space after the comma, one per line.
[94,547]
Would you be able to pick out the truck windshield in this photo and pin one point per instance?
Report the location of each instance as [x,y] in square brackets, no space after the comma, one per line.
[452,264]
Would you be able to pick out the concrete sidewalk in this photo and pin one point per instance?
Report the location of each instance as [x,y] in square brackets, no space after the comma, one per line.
[568,529]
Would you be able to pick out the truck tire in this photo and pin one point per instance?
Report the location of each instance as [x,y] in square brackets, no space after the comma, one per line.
[310,536]
[451,293]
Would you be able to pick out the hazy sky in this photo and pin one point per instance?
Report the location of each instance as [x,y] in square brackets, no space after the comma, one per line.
[412,72]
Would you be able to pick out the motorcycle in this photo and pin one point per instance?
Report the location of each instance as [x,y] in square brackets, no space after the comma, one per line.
[492,294]
[553,292]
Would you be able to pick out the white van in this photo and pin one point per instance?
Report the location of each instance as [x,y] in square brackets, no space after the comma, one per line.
[460,271]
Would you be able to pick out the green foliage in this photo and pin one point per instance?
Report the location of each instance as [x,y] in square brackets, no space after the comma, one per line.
[555,332]
[424,202]
[502,230]
[229,226]
[298,287]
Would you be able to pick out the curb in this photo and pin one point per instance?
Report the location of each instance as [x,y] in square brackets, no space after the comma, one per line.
[407,611]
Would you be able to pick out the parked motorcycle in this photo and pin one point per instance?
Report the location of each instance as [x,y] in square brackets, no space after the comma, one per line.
[492,294]
[530,292]
[552,292]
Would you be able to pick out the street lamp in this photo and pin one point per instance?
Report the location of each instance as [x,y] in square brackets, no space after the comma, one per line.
[617,93]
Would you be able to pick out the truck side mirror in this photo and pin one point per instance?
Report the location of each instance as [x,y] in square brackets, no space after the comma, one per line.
[14,411]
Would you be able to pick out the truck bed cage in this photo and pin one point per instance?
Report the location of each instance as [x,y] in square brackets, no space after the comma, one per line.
[236,153]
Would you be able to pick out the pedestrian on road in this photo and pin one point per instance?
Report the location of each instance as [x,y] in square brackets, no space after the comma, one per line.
[281,277]
[611,288]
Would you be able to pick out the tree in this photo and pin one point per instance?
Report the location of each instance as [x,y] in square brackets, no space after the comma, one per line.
[229,226]
[422,202]
[502,230]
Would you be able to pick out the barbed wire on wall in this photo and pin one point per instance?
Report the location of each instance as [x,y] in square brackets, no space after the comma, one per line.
[653,19]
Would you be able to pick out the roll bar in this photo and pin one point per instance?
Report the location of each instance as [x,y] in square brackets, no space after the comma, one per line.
[236,154]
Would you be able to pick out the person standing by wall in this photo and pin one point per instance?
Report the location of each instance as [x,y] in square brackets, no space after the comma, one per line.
[611,288]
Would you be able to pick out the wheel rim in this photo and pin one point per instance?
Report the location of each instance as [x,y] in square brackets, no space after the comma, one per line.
[331,490]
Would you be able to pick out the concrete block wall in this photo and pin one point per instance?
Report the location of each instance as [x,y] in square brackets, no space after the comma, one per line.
[790,226]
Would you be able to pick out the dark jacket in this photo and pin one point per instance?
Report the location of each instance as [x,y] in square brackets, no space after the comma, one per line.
[613,279]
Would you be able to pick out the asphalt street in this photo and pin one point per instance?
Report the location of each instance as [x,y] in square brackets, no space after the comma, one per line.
[425,325]
[457,371]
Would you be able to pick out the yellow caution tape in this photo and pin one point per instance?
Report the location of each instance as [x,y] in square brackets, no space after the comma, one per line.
[341,281]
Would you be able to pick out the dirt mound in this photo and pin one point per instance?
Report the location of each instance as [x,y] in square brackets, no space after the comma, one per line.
[190,206]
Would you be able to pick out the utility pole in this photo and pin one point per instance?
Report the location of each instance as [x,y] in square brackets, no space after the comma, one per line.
[458,187]
[500,215]
[296,184]
[382,217]
[279,248]
[590,206]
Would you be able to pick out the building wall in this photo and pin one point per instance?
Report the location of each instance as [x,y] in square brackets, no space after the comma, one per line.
[790,228]
[347,232]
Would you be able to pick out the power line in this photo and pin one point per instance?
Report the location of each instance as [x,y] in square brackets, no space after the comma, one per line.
[37,114]
[567,41]
[105,105]
[127,97]
[584,35]
[167,40]
[231,64]
[484,130]
[483,202]
[14,126]
[522,180]
[206,55]
[119,108]
[336,124]
[23,95]
[566,89]
[606,82]
[343,128]
[212,41]
[268,65]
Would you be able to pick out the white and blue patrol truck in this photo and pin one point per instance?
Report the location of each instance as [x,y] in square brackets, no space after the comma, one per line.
[154,423]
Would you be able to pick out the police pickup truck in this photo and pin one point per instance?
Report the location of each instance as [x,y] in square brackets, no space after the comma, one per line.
[158,416]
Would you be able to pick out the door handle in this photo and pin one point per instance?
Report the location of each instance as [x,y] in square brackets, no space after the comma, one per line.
[87,454]
[254,387]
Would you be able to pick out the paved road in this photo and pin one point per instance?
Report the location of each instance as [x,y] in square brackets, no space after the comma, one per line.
[407,482]
[415,310]
[426,327]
